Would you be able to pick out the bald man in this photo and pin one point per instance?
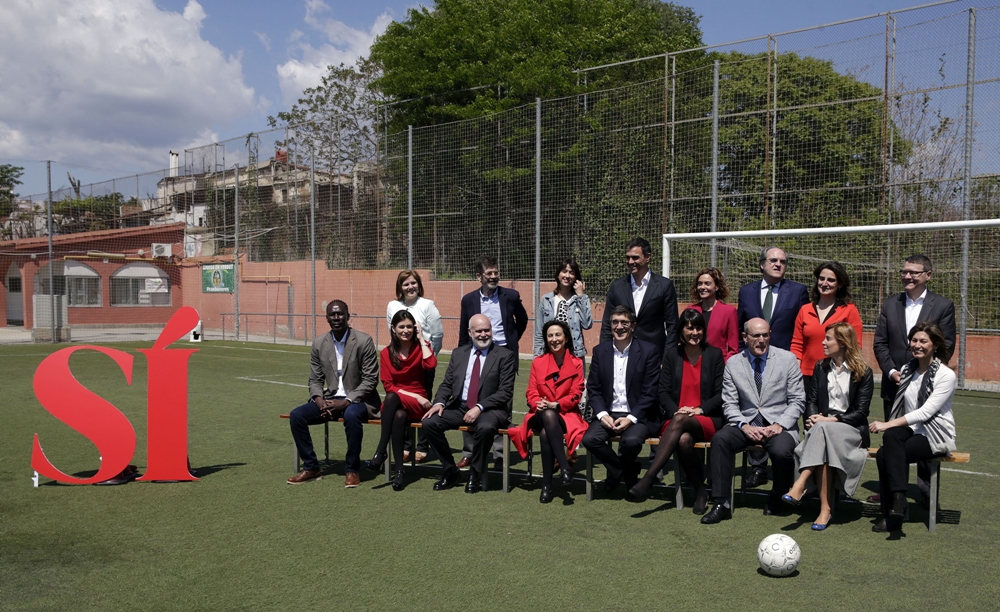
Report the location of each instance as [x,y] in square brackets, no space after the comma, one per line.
[476,392]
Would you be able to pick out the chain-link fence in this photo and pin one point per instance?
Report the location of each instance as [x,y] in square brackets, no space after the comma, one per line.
[880,120]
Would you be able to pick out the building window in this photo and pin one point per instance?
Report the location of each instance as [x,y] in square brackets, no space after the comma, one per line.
[83,291]
[140,285]
[14,284]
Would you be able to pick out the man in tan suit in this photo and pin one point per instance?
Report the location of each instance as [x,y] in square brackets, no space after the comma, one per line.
[342,384]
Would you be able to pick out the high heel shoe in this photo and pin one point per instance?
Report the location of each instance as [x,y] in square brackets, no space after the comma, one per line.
[637,492]
[397,481]
[375,463]
[700,501]
[822,526]
[788,499]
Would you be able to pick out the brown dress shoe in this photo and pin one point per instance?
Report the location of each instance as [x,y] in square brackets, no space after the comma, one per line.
[421,457]
[305,476]
[406,456]
[352,480]
[464,463]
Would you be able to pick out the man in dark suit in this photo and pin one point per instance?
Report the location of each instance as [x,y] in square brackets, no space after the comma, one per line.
[777,301]
[622,391]
[476,391]
[899,314]
[508,318]
[763,398]
[650,296]
[342,384]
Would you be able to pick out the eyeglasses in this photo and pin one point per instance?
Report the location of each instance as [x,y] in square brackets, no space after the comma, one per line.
[490,275]
[906,273]
[621,323]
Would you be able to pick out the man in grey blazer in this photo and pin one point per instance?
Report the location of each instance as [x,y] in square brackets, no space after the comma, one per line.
[476,391]
[763,398]
[342,384]
[892,348]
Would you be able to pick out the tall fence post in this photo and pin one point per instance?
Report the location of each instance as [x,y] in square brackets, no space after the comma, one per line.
[236,252]
[312,231]
[409,197]
[970,90]
[52,287]
[715,152]
[538,199]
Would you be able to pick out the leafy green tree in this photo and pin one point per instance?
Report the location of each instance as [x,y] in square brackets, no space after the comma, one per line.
[10,178]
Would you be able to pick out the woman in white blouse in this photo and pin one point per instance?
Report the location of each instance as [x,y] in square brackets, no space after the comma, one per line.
[921,424]
[410,296]
[834,448]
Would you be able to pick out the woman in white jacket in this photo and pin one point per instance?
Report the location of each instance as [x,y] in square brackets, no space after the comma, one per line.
[921,423]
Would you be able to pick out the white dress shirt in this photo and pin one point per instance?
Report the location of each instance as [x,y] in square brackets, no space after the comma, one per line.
[619,391]
[639,291]
[338,347]
[838,385]
[490,306]
[913,310]
[764,287]
[468,371]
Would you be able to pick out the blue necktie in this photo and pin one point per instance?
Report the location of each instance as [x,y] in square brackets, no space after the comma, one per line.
[758,379]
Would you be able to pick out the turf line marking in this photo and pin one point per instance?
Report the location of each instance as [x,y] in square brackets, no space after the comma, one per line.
[273,382]
[944,469]
[247,348]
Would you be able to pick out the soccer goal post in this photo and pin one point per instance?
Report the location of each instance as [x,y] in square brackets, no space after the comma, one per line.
[966,270]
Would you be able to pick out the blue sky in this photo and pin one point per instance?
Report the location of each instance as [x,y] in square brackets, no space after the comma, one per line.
[113,85]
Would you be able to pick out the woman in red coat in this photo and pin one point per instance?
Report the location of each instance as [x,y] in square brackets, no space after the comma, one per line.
[708,292]
[830,302]
[403,367]
[555,387]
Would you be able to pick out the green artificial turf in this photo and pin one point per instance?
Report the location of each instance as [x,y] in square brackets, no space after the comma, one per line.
[240,538]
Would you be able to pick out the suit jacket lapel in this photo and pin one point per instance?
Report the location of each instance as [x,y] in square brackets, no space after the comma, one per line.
[634,355]
[488,364]
[461,359]
[748,372]
[927,307]
[900,306]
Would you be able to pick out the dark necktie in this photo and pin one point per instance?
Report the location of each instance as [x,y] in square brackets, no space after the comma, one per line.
[768,305]
[473,397]
[758,379]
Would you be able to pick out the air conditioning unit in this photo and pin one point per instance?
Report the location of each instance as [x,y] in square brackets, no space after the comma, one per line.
[161,250]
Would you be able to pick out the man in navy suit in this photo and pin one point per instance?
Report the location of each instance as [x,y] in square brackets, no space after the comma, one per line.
[622,390]
[508,319]
[650,296]
[777,301]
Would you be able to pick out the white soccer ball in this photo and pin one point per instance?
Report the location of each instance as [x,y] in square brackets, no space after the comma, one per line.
[778,554]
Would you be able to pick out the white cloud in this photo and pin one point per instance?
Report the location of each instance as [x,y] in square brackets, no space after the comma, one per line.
[344,44]
[265,40]
[119,83]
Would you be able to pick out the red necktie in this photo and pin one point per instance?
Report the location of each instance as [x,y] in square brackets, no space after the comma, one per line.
[473,397]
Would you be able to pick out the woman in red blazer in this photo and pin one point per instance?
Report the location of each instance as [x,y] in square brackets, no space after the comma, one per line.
[830,302]
[403,368]
[555,387]
[708,292]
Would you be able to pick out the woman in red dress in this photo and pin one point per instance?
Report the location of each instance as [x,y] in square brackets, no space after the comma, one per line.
[721,326]
[402,366]
[555,387]
[691,401]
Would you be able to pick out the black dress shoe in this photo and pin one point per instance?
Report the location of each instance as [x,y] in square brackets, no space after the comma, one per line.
[720,512]
[567,477]
[885,525]
[546,495]
[397,481]
[448,480]
[770,510]
[756,478]
[899,505]
[475,483]
[375,463]
[611,483]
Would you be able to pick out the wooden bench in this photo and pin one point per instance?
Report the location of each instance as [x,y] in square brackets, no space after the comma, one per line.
[413,457]
[934,483]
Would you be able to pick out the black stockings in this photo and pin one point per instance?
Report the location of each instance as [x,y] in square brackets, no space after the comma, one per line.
[680,435]
[395,421]
[552,443]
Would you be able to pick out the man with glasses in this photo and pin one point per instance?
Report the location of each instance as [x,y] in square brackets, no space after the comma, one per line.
[899,314]
[778,301]
[622,391]
[763,398]
[650,296]
[508,319]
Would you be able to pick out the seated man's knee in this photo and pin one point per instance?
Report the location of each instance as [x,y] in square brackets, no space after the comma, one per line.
[355,413]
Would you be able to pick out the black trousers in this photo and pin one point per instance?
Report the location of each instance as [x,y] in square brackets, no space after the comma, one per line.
[730,440]
[900,448]
[923,468]
[597,440]
[486,427]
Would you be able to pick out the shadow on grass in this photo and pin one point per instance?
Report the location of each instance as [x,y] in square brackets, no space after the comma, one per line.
[794,574]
